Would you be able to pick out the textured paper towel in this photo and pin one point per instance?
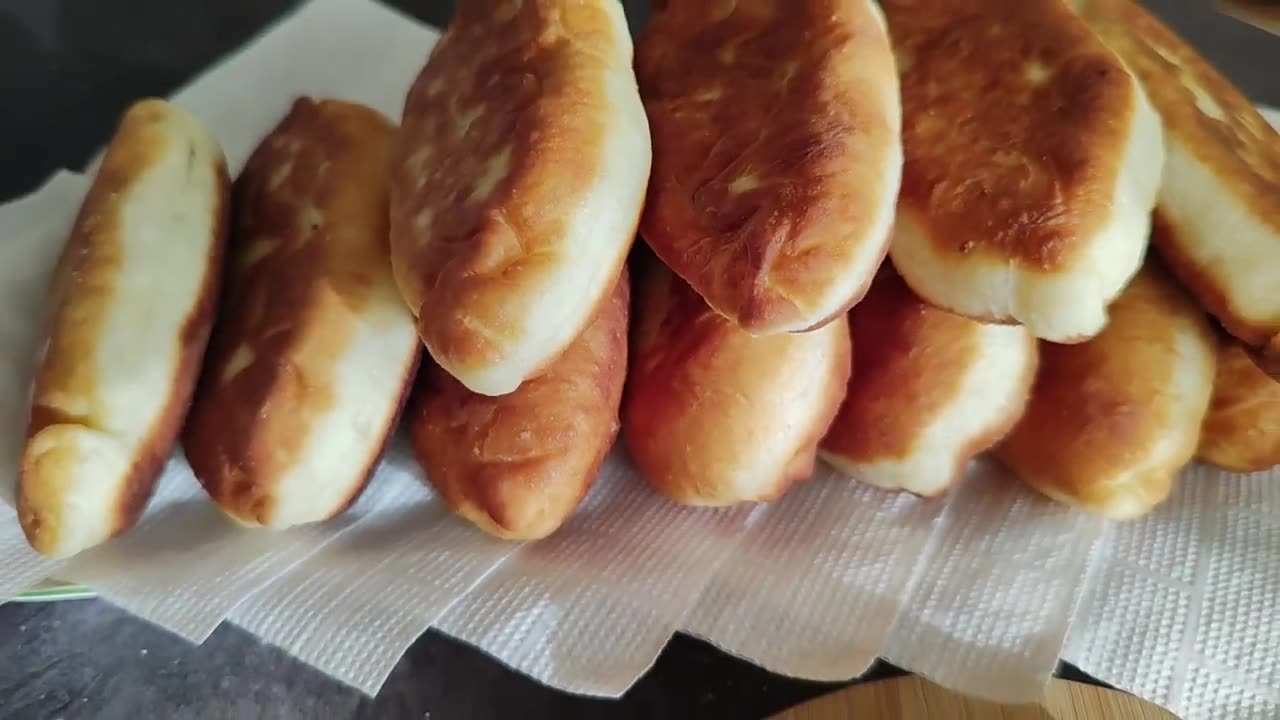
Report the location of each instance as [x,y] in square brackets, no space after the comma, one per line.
[814,589]
[981,590]
[353,608]
[590,608]
[994,600]
[1181,607]
[199,564]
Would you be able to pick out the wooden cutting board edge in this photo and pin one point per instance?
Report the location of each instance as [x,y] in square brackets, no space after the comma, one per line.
[914,698]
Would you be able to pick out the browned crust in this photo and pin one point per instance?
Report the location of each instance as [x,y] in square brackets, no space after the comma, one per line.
[1242,430]
[91,254]
[531,85]
[703,395]
[1002,167]
[912,359]
[1231,138]
[309,247]
[1099,409]
[518,465]
[1240,147]
[1269,358]
[818,143]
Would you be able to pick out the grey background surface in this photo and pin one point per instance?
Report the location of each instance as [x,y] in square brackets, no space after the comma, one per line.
[67,69]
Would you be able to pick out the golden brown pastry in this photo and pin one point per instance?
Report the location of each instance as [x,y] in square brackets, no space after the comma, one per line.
[1112,421]
[714,416]
[1220,197]
[1268,358]
[929,391]
[1032,164]
[518,183]
[1242,430]
[313,351]
[777,153]
[133,300]
[518,465]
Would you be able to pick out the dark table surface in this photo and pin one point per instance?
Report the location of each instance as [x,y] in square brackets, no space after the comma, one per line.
[67,70]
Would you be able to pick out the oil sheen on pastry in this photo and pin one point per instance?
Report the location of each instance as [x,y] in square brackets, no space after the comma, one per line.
[714,416]
[776,153]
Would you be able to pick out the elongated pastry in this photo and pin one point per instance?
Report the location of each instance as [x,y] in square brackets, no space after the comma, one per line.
[1032,164]
[518,183]
[714,416]
[518,465]
[1112,421]
[777,153]
[1220,197]
[1242,430]
[313,351]
[929,391]
[133,298]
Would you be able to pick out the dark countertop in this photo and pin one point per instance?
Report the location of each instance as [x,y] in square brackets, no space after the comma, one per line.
[67,70]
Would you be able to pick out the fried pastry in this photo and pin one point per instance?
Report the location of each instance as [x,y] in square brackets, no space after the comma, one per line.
[1032,164]
[1113,420]
[1242,431]
[714,416]
[777,153]
[518,465]
[929,391]
[313,351]
[1220,197]
[517,184]
[133,299]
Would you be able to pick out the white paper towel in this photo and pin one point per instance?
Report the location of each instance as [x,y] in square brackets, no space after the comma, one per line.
[996,596]
[590,608]
[814,590]
[199,565]
[982,590]
[353,608]
[1181,607]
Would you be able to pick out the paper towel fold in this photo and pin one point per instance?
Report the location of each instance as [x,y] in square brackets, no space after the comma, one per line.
[353,608]
[815,588]
[982,590]
[994,601]
[590,608]
[199,565]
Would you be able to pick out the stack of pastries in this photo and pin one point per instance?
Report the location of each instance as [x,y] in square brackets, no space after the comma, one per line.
[889,235]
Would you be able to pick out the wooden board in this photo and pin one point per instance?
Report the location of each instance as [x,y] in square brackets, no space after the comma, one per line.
[915,698]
